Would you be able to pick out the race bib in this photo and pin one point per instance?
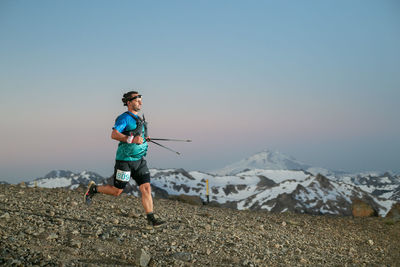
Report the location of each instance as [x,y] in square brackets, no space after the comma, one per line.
[123,176]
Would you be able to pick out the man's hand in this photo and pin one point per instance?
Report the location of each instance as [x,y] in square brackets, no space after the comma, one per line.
[137,140]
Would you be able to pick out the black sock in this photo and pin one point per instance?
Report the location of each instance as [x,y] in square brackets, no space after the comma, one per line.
[150,215]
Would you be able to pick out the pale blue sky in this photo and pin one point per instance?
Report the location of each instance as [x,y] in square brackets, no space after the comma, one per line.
[318,80]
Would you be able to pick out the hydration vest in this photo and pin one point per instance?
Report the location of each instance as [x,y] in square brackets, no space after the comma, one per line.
[132,151]
[140,123]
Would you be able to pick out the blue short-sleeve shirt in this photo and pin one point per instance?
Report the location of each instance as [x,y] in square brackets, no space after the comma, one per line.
[125,151]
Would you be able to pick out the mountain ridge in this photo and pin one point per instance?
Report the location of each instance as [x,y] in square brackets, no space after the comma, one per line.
[254,189]
[258,189]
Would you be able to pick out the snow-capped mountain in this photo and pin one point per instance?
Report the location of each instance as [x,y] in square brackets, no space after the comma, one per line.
[272,190]
[384,185]
[67,179]
[267,159]
[268,180]
[273,160]
[257,189]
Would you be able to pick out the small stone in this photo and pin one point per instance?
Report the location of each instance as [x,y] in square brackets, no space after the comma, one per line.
[142,258]
[6,216]
[292,222]
[52,236]
[183,256]
[370,242]
[75,232]
[115,221]
[283,223]
[105,236]
[235,260]
[76,243]
[132,214]
[16,263]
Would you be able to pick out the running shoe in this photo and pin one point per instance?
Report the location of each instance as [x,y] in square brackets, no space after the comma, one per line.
[90,192]
[153,221]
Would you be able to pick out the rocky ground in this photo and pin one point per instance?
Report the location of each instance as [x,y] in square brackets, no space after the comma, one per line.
[52,227]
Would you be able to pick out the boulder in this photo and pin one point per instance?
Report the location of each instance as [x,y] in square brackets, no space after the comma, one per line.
[394,212]
[193,200]
[361,208]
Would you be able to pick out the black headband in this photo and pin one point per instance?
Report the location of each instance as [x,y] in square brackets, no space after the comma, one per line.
[133,98]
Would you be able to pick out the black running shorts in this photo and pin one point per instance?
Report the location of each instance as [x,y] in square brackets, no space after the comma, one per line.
[124,170]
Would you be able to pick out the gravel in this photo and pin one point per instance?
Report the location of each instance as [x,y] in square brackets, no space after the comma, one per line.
[53,227]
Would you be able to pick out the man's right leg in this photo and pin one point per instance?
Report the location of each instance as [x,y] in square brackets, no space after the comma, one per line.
[121,170]
[109,190]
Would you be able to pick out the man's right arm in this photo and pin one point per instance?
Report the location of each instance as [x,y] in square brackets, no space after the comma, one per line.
[119,136]
[124,138]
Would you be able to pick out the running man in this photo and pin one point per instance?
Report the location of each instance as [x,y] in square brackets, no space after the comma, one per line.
[130,131]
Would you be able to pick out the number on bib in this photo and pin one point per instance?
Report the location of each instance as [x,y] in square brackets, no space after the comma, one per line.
[123,176]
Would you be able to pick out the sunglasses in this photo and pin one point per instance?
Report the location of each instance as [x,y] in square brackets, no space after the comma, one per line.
[133,98]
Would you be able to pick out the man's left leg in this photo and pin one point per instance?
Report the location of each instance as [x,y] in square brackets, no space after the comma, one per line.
[141,175]
[147,202]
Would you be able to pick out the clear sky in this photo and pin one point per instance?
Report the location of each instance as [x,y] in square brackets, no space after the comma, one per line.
[317,80]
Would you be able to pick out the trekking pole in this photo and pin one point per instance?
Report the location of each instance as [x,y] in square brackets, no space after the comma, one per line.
[165,147]
[166,139]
